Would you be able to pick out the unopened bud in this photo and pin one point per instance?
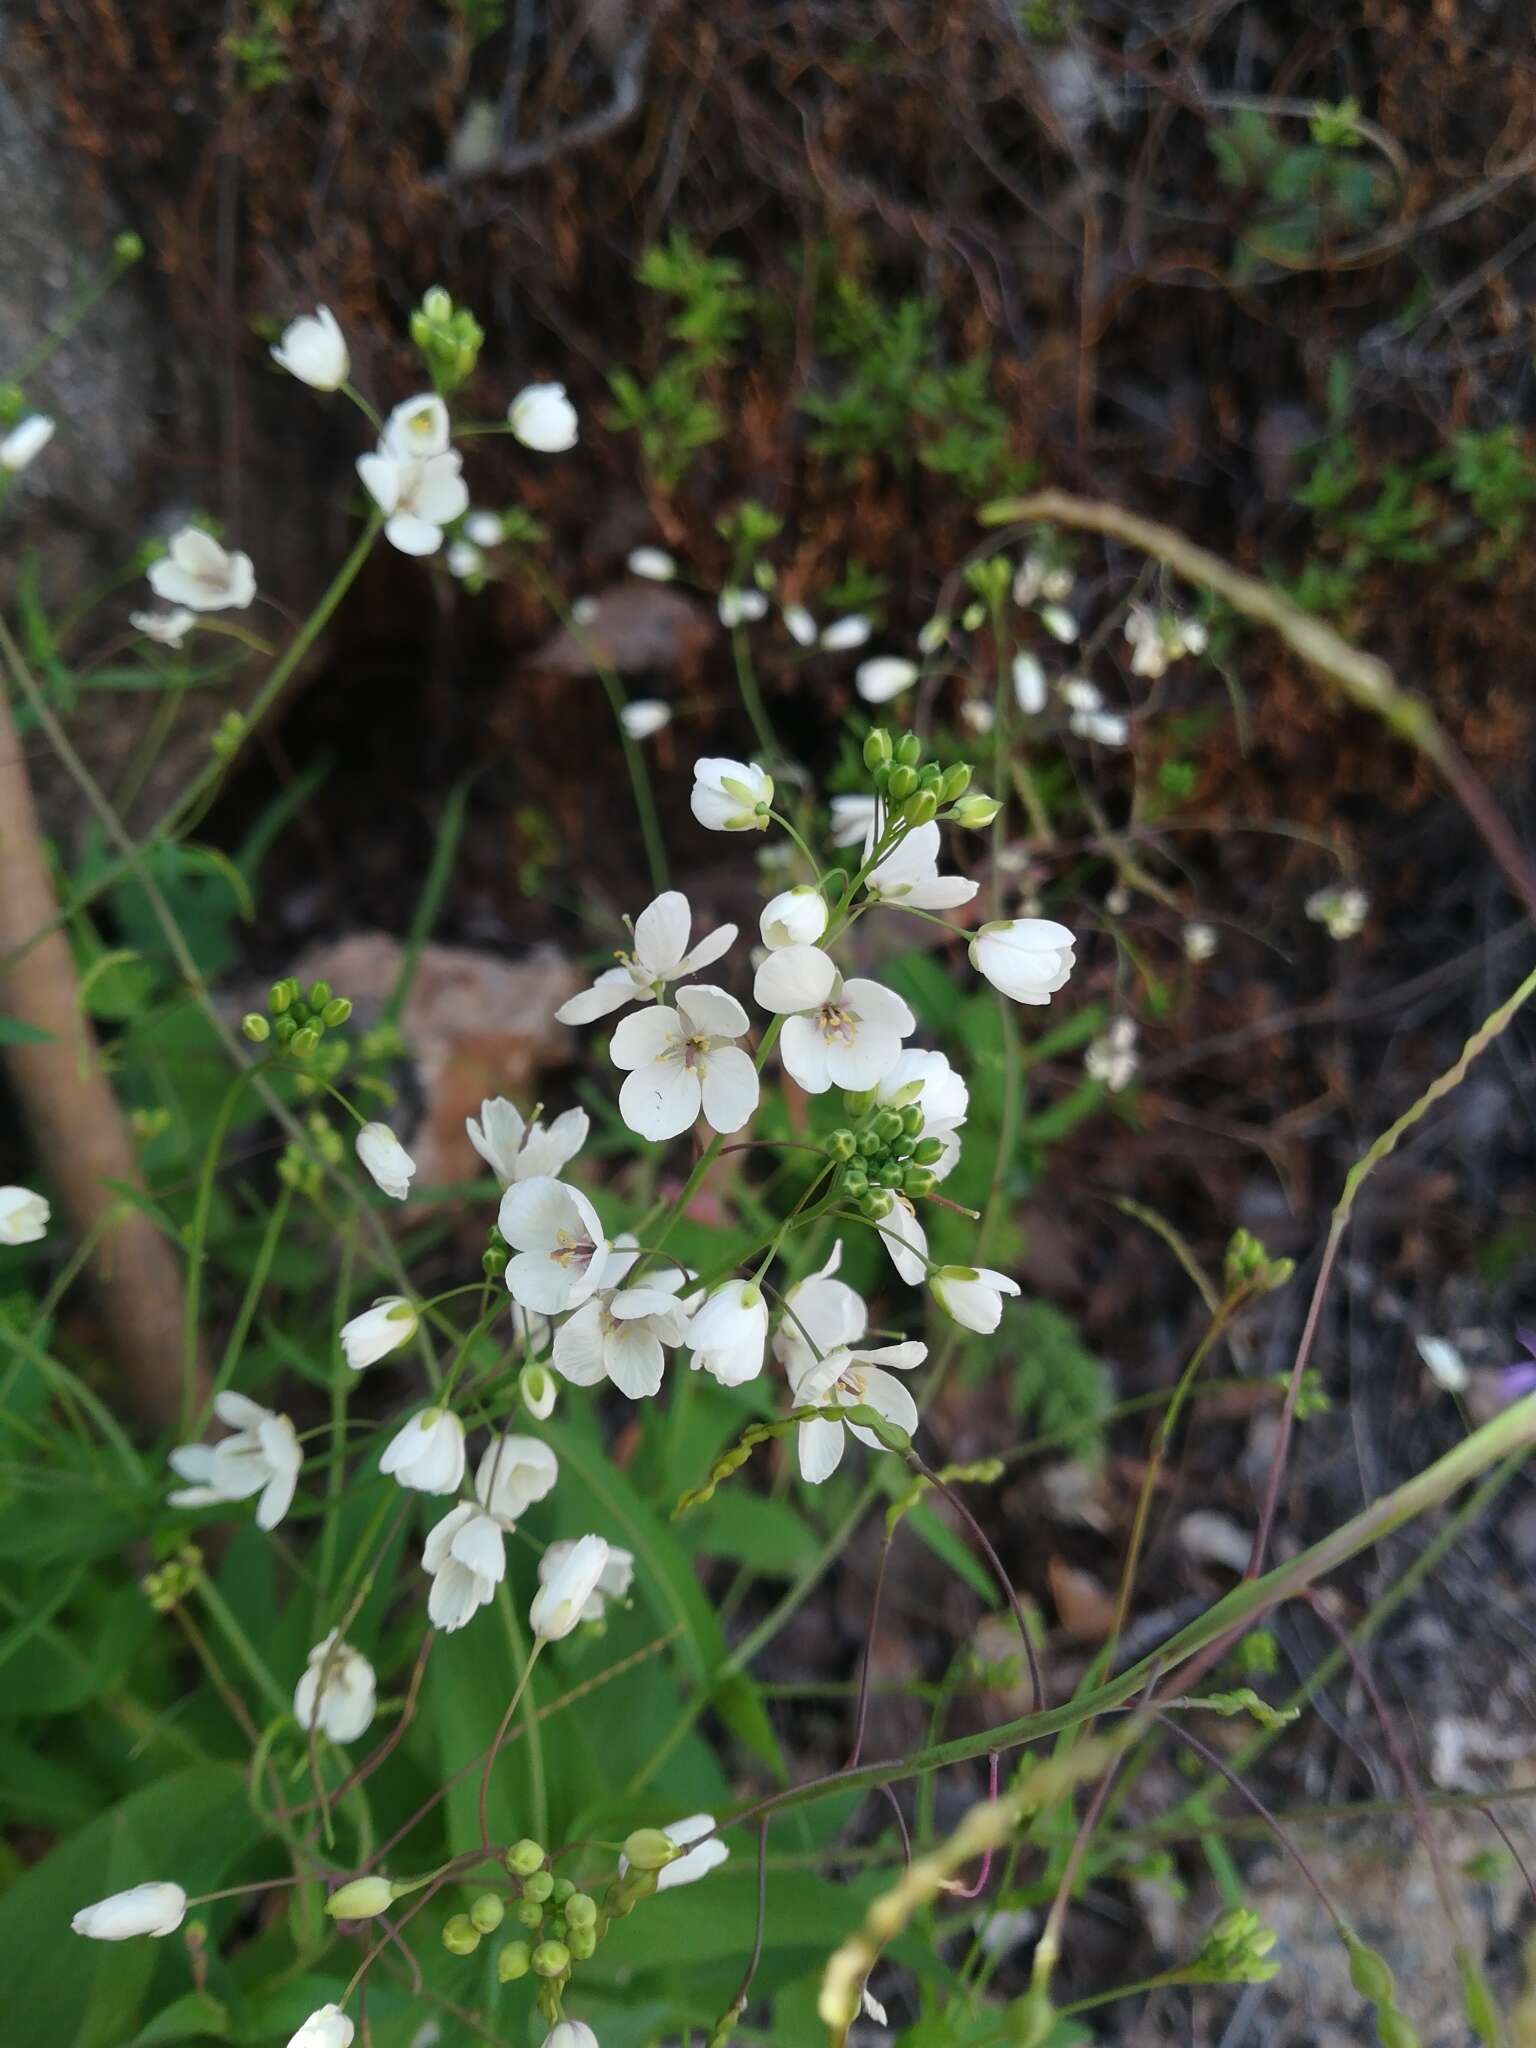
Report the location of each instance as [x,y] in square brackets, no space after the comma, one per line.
[877,747]
[528,1913]
[975,810]
[581,1910]
[538,1885]
[909,750]
[841,1146]
[912,1118]
[650,1849]
[918,1181]
[487,1912]
[551,1959]
[1369,1973]
[281,996]
[920,809]
[957,781]
[901,784]
[335,1012]
[127,247]
[493,1263]
[582,1943]
[512,1962]
[363,1899]
[563,1890]
[437,306]
[888,1124]
[525,1857]
[877,1203]
[461,1937]
[538,1389]
[318,994]
[304,1042]
[256,1027]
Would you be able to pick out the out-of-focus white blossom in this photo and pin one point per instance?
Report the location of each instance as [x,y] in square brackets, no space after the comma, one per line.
[643,717]
[614,1581]
[197,575]
[1342,912]
[654,564]
[261,1457]
[1027,958]
[1029,686]
[166,629]
[1112,1058]
[25,442]
[741,607]
[385,1160]
[885,677]
[544,419]
[23,1216]
[852,817]
[1198,940]
[661,954]
[562,1600]
[338,1692]
[314,350]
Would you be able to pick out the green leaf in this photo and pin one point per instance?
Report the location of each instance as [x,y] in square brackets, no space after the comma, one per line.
[751,1529]
[14,1032]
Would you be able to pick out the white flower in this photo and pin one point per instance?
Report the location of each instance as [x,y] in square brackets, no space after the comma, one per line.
[514,1472]
[928,1079]
[799,624]
[906,1240]
[418,494]
[851,1379]
[561,1253]
[1446,1365]
[338,1692]
[661,954]
[679,1061]
[169,629]
[583,611]
[1079,694]
[23,1216]
[385,1160]
[379,1330]
[539,1389]
[147,1909]
[699,1862]
[978,714]
[614,1582]
[314,350]
[25,442]
[261,1457]
[1028,958]
[464,559]
[416,428]
[1059,623]
[731,796]
[465,1556]
[852,817]
[909,874]
[1199,941]
[622,1335]
[327,2028]
[1029,579]
[427,1456]
[1111,1058]
[485,529]
[1342,911]
[543,418]
[654,564]
[1158,638]
[1104,728]
[822,1314]
[741,607]
[643,717]
[795,917]
[198,574]
[728,1333]
[845,634]
[1029,687]
[562,1600]
[878,681]
[515,1150]
[973,1295]
[838,1034]
[571,2034]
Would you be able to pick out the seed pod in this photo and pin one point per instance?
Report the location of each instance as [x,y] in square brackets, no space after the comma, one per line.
[1369,1973]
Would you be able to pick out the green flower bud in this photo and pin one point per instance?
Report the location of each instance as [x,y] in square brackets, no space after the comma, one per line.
[912,1118]
[556,1929]
[538,1885]
[318,994]
[888,1124]
[920,809]
[956,782]
[525,1857]
[461,1937]
[551,1959]
[650,1849]
[918,1181]
[363,1899]
[877,1203]
[881,777]
[909,750]
[493,1263]
[869,1144]
[528,1913]
[975,811]
[931,777]
[855,1183]
[928,1151]
[283,1029]
[901,783]
[300,1011]
[487,1912]
[127,247]
[901,1150]
[437,306]
[512,1962]
[305,1040]
[842,1145]
[493,1236]
[859,1102]
[886,1176]
[335,1012]
[281,995]
[581,1910]
[877,747]
[1369,1973]
[582,1943]
[255,1027]
[563,1892]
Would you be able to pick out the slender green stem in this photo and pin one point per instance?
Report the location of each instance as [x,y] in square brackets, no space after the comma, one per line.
[197,1240]
[752,697]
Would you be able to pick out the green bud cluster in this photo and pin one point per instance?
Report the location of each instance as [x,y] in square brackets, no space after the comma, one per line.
[888,1157]
[228,736]
[297,1018]
[1236,1951]
[1248,1268]
[166,1588]
[448,338]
